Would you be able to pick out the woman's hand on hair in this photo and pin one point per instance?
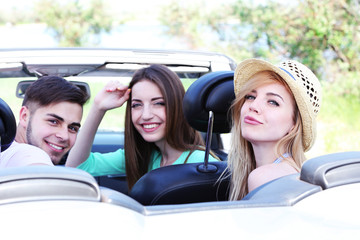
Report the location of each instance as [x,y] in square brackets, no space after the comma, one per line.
[113,95]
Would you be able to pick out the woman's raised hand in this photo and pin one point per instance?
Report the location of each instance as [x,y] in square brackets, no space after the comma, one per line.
[113,95]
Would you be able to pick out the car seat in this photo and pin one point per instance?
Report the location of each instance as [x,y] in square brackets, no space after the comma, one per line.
[41,183]
[332,170]
[7,126]
[206,105]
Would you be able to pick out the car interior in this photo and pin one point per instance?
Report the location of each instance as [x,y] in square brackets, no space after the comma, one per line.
[188,187]
[212,92]
[187,183]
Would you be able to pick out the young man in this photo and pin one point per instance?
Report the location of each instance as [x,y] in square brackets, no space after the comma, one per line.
[49,121]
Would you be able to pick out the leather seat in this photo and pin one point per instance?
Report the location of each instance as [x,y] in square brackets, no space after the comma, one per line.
[183,183]
[7,125]
[213,92]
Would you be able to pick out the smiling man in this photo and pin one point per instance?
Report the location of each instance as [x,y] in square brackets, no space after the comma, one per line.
[49,121]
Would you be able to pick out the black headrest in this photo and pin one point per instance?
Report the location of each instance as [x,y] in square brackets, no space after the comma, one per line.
[182,183]
[7,125]
[211,92]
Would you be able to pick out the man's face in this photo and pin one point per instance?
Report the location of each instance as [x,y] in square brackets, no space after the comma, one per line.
[54,128]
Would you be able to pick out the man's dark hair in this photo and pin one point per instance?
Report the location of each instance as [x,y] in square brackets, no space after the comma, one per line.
[53,89]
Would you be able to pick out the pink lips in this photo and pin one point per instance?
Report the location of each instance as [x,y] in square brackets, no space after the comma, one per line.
[251,120]
[150,127]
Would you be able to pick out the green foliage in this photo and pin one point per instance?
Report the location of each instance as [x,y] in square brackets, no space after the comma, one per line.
[74,23]
[183,21]
[340,114]
[317,33]
[14,16]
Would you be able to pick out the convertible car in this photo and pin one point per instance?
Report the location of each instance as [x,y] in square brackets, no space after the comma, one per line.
[181,201]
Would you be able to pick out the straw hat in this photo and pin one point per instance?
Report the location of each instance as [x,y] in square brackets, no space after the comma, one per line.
[302,82]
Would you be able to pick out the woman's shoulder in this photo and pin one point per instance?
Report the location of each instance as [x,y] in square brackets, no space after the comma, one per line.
[199,156]
[267,173]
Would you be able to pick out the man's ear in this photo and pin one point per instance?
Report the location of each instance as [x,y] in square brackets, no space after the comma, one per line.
[24,116]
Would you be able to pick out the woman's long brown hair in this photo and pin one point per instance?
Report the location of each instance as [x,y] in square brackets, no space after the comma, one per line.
[178,132]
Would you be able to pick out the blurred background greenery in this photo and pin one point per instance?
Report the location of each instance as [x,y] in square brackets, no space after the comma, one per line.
[322,34]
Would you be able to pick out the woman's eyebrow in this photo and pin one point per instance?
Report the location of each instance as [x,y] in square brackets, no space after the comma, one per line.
[156,98]
[152,99]
[275,95]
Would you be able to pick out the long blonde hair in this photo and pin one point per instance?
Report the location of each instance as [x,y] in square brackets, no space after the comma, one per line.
[241,159]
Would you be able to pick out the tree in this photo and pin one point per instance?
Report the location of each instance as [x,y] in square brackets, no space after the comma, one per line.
[13,16]
[72,23]
[183,22]
[320,33]
[317,32]
[196,25]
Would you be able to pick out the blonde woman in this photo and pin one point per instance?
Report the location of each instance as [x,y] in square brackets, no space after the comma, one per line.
[274,122]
